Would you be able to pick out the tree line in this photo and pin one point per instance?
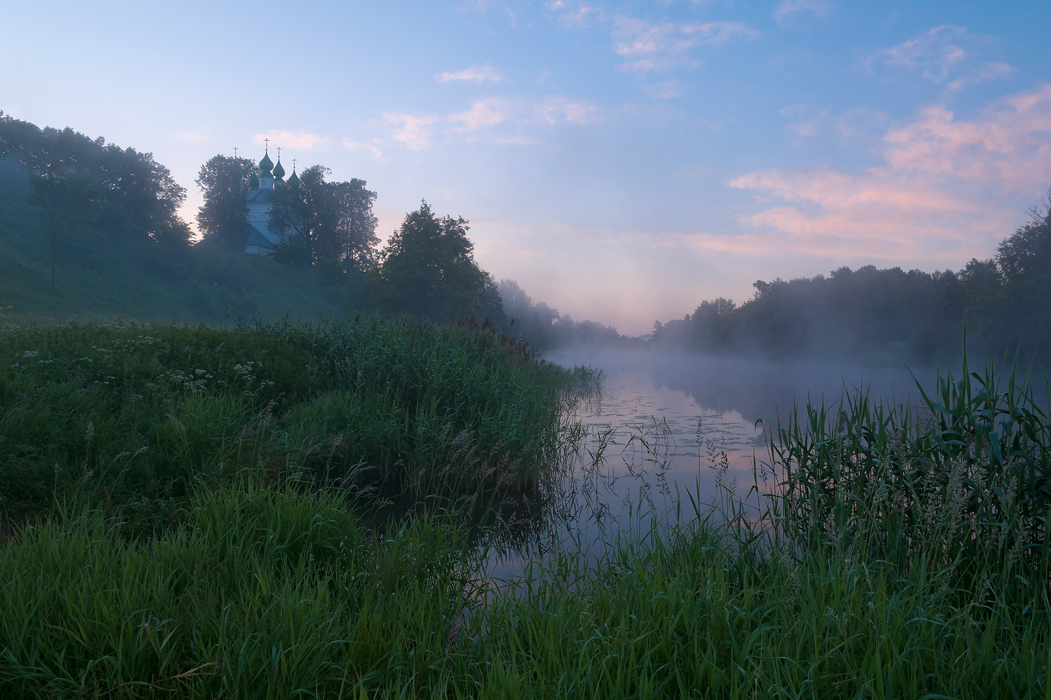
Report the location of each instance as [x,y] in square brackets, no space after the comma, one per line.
[119,193]
[874,314]
[89,188]
[87,192]
[426,270]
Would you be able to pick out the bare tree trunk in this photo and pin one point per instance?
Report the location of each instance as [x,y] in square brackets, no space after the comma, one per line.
[53,236]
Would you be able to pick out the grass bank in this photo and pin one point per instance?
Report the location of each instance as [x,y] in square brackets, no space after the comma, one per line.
[139,416]
[97,278]
[906,556]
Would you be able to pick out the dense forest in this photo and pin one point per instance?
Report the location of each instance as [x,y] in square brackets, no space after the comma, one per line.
[872,315]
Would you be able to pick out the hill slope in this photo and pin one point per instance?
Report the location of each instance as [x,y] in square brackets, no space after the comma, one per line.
[147,282]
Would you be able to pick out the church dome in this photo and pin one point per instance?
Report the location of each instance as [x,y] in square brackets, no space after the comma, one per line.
[253,182]
[293,178]
[266,165]
[279,172]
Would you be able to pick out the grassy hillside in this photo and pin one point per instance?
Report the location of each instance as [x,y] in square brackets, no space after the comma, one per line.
[98,278]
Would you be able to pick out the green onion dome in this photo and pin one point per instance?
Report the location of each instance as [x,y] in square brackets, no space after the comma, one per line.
[279,172]
[293,178]
[266,165]
[253,182]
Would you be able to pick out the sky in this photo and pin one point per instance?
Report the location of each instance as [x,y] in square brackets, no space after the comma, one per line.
[622,161]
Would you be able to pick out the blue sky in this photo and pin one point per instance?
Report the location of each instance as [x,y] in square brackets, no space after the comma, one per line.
[621,160]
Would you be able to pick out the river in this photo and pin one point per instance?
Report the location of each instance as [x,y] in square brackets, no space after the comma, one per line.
[671,431]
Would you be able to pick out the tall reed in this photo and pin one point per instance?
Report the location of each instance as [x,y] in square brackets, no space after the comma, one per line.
[147,412]
[959,484]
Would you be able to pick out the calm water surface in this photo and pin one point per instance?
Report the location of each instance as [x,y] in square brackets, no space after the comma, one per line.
[666,426]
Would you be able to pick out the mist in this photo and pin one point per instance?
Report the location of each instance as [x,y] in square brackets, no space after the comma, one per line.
[993,308]
[91,230]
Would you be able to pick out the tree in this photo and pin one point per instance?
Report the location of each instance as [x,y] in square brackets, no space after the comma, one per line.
[140,197]
[324,223]
[428,270]
[711,323]
[137,198]
[535,321]
[68,204]
[1027,253]
[223,218]
[1025,261]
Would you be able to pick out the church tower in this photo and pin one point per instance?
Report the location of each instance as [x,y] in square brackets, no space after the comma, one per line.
[261,186]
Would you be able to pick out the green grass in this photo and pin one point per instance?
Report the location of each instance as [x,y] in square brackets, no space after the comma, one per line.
[266,594]
[905,557]
[258,594]
[148,413]
[961,484]
[97,278]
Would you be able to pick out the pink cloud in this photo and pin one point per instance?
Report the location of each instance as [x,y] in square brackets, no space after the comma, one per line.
[1009,147]
[947,189]
[576,14]
[411,130]
[372,148]
[859,124]
[556,109]
[483,113]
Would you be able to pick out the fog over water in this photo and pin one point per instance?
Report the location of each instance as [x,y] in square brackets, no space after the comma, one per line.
[667,424]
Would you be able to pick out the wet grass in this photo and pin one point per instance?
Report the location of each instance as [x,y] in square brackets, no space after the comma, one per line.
[257,594]
[960,484]
[139,416]
[905,556]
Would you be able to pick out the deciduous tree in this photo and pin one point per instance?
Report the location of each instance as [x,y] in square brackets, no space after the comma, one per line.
[428,269]
[68,203]
[137,198]
[324,223]
[223,218]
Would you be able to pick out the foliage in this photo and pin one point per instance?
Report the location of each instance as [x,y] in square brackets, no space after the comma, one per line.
[139,199]
[873,315]
[862,314]
[1027,253]
[1019,310]
[324,223]
[68,204]
[102,278]
[962,485]
[223,217]
[854,599]
[14,181]
[148,411]
[428,270]
[531,320]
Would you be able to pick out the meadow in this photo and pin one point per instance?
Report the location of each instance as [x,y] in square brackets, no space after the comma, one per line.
[278,510]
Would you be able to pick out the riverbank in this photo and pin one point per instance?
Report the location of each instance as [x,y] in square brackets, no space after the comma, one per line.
[240,556]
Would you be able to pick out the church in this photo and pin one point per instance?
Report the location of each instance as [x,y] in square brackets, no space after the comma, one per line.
[260,186]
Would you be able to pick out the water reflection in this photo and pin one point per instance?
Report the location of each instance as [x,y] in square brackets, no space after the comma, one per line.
[664,426]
